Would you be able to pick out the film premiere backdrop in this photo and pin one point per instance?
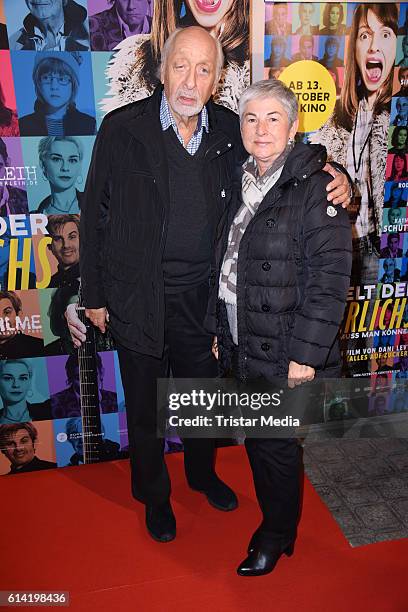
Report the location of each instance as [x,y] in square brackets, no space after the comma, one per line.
[347,63]
[105,57]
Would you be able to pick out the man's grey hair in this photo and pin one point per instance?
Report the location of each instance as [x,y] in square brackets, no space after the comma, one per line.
[270,88]
[168,47]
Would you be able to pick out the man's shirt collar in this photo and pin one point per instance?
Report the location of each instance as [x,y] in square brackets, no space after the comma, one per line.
[167,120]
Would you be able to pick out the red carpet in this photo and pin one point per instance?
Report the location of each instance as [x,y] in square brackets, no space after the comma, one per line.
[78,530]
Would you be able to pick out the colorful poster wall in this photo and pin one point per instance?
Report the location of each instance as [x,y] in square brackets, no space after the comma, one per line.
[64,65]
[347,63]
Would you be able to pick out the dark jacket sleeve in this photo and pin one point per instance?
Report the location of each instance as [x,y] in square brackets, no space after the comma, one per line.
[327,258]
[94,218]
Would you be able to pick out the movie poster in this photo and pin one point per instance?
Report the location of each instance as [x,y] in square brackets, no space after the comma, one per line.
[55,89]
[347,64]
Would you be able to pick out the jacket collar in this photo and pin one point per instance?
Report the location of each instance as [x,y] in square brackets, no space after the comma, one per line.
[303,161]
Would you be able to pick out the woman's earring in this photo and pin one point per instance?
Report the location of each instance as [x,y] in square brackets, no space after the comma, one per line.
[30,393]
[79,180]
[290,141]
[45,177]
[182,10]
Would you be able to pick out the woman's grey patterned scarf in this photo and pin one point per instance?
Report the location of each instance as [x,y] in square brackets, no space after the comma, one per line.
[254,189]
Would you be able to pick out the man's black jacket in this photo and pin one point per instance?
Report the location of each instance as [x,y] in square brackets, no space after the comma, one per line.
[124,215]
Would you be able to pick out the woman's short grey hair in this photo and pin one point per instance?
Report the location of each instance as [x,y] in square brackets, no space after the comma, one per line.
[168,47]
[45,144]
[270,88]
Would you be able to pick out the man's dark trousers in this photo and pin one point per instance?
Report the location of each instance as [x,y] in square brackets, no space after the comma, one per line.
[187,352]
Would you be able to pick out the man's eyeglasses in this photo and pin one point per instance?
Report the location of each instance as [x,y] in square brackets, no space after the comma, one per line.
[62,79]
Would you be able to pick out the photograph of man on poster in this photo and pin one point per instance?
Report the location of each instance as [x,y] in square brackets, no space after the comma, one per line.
[66,403]
[306,44]
[64,231]
[55,25]
[121,19]
[279,22]
[18,442]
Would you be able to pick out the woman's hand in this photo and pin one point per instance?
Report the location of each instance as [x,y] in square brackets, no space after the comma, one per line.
[299,374]
[214,348]
[339,189]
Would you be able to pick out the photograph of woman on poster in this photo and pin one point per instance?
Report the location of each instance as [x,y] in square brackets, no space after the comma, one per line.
[56,81]
[398,170]
[60,161]
[132,71]
[356,134]
[399,140]
[333,17]
[15,390]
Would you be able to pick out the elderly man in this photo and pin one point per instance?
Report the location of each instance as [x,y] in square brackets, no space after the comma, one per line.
[160,178]
[52,25]
[124,18]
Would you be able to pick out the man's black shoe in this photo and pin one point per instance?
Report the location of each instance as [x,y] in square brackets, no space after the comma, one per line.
[219,495]
[161,522]
[261,561]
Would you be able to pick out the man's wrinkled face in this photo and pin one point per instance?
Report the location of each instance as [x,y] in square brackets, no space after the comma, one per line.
[190,72]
